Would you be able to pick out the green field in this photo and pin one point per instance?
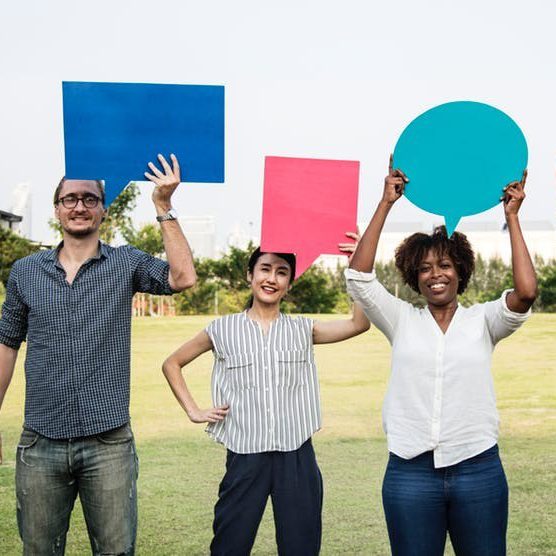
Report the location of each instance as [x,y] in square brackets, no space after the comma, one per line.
[181,467]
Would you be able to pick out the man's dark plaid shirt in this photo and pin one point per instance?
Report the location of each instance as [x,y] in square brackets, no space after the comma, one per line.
[78,336]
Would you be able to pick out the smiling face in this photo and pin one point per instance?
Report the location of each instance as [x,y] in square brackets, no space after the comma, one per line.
[270,279]
[79,221]
[438,279]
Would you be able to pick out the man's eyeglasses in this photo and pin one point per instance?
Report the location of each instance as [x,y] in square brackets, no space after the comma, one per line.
[71,201]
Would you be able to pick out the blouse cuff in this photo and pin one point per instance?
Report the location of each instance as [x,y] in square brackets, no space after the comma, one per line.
[351,274]
[512,315]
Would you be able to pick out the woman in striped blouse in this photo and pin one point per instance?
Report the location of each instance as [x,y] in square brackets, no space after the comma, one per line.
[266,408]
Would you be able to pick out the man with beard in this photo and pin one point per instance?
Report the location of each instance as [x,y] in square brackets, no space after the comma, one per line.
[73,304]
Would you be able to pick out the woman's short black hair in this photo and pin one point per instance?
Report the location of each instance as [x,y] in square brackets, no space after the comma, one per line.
[414,249]
[288,257]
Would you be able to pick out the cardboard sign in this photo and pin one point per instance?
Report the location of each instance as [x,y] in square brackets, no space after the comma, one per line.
[112,130]
[308,206]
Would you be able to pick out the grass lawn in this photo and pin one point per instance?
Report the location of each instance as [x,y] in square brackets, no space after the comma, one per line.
[181,467]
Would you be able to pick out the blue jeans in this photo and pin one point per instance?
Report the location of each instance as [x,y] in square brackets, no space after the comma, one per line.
[468,500]
[102,469]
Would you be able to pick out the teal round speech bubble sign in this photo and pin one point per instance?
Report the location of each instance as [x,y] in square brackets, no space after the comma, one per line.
[458,157]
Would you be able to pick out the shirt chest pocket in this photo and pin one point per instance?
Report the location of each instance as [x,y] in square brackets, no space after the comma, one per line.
[240,371]
[293,367]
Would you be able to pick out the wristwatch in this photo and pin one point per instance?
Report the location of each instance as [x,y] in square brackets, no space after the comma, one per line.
[170,215]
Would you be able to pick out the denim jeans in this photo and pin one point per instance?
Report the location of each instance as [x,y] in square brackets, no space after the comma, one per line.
[102,469]
[468,500]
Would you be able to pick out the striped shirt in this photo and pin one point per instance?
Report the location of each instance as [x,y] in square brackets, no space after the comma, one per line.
[269,382]
[78,336]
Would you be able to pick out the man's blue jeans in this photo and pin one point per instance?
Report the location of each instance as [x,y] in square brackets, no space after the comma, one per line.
[102,469]
[468,500]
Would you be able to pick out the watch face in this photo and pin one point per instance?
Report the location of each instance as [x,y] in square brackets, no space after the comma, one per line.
[172,213]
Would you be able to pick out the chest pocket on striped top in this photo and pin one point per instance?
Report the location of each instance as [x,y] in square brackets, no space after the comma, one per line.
[240,371]
[293,367]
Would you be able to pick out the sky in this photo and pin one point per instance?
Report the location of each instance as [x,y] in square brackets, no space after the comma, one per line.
[322,79]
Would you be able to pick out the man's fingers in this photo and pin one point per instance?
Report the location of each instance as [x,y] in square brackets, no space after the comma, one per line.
[391,164]
[152,178]
[155,170]
[175,166]
[524,178]
[165,164]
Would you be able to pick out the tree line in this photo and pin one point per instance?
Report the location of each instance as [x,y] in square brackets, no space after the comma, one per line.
[222,285]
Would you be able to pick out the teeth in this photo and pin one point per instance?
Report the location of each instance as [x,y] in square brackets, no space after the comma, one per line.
[438,286]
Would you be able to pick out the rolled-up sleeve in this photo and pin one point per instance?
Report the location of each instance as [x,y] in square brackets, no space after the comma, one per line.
[501,321]
[381,307]
[150,274]
[13,324]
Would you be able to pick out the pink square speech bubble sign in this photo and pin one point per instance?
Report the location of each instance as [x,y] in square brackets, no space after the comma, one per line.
[308,206]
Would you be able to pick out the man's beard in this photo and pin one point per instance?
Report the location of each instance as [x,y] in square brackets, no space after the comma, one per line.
[80,233]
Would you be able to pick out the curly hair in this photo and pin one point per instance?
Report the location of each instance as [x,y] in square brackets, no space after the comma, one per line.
[414,248]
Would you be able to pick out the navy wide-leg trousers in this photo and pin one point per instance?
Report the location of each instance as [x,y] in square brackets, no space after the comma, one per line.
[294,483]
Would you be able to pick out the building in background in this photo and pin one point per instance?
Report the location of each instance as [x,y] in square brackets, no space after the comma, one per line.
[17,216]
[240,237]
[488,239]
[10,221]
[200,232]
[21,204]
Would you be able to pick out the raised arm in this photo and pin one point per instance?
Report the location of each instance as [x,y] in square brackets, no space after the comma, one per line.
[364,257]
[172,371]
[525,279]
[182,271]
[336,331]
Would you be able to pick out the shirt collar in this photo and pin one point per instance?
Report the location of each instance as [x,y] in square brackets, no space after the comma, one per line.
[54,253]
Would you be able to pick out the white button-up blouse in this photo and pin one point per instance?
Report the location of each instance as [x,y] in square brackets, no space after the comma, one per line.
[440,394]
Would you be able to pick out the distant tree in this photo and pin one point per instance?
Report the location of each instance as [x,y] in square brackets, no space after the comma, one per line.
[200,299]
[12,247]
[231,269]
[148,238]
[313,292]
[546,300]
[391,279]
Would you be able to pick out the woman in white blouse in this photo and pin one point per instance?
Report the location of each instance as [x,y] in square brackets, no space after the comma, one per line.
[266,408]
[444,474]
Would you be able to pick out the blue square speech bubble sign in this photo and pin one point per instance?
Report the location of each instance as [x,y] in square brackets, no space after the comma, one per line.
[458,157]
[111,131]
